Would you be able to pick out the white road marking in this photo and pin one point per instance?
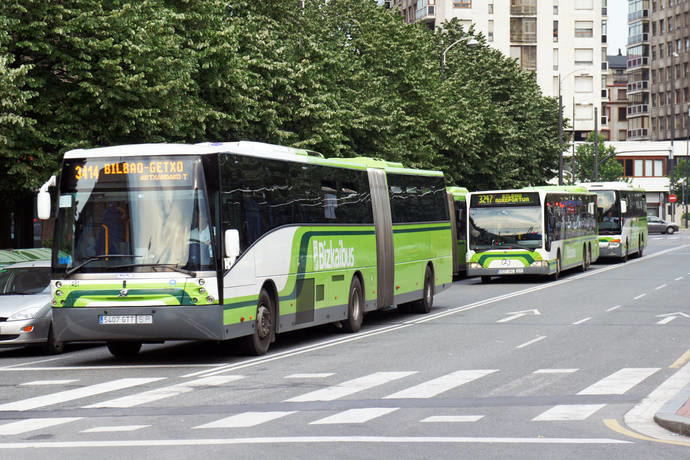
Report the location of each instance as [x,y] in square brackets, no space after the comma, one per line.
[619,382]
[678,279]
[555,371]
[666,320]
[351,386]
[322,375]
[584,320]
[452,419]
[519,314]
[33,424]
[114,429]
[441,384]
[568,412]
[362,415]
[49,382]
[77,393]
[16,368]
[308,440]
[614,308]
[661,287]
[639,296]
[165,392]
[527,344]
[245,420]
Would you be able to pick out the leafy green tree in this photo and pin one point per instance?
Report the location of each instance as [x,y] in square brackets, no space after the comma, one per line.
[680,177]
[583,162]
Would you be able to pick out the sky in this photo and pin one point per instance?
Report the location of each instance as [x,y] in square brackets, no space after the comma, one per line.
[617,33]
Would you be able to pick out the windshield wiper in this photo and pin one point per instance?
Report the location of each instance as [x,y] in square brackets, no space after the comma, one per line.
[173,267]
[93,259]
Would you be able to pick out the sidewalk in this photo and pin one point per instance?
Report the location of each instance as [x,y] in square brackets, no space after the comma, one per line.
[675,415]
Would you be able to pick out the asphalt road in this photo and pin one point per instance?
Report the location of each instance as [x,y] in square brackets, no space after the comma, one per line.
[517,368]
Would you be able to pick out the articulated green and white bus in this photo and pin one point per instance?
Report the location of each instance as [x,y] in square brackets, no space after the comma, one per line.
[622,215]
[222,240]
[537,230]
[457,200]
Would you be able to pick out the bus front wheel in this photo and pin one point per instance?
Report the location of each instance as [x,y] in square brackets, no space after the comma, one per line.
[258,343]
[555,276]
[355,309]
[123,350]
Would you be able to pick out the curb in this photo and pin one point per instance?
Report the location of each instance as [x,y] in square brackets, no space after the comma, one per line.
[675,415]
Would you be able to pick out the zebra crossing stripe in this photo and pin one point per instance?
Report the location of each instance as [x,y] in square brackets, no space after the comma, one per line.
[351,386]
[245,420]
[568,412]
[361,415]
[441,384]
[33,424]
[619,382]
[165,392]
[77,393]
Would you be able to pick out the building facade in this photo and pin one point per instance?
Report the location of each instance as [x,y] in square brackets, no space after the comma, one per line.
[638,70]
[562,41]
[614,123]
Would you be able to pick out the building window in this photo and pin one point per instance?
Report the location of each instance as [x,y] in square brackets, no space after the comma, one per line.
[622,134]
[490,36]
[639,168]
[622,113]
[462,4]
[491,6]
[622,94]
[555,31]
[584,29]
[584,56]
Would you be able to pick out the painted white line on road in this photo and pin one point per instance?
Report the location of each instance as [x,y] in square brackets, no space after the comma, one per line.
[245,420]
[639,296]
[452,419]
[49,382]
[231,367]
[678,279]
[165,392]
[33,424]
[568,412]
[555,371]
[441,384]
[351,386]
[619,382]
[661,287]
[306,440]
[321,375]
[614,308]
[666,320]
[584,320]
[361,415]
[527,344]
[102,368]
[115,429]
[70,395]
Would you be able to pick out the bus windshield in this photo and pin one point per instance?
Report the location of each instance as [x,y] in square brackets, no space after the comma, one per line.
[517,227]
[609,212]
[133,214]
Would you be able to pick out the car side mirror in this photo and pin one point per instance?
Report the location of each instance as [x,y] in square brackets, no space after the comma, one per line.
[232,246]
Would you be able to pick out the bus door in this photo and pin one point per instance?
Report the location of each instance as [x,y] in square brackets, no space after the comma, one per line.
[384,236]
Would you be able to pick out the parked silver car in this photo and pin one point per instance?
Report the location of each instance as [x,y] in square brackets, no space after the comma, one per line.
[25,313]
[659,225]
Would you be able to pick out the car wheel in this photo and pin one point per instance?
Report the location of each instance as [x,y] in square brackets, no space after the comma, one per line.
[670,230]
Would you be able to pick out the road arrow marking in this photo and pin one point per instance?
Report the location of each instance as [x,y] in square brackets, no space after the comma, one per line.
[519,314]
[668,317]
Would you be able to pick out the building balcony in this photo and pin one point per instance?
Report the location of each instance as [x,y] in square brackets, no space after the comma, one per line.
[638,110]
[639,61]
[638,38]
[524,10]
[638,86]
[523,37]
[638,134]
[426,14]
[638,15]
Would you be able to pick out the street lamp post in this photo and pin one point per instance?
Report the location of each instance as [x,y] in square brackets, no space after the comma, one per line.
[560,126]
[673,131]
[471,42]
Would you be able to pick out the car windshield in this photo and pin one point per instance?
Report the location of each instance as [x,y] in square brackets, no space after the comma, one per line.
[29,280]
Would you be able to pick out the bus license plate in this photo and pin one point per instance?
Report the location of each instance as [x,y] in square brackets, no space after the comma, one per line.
[125,319]
[510,271]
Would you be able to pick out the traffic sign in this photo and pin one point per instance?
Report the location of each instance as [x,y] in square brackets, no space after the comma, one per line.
[672,198]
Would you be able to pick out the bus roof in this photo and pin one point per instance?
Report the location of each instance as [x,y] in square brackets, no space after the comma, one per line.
[249,148]
[618,185]
[545,189]
[459,193]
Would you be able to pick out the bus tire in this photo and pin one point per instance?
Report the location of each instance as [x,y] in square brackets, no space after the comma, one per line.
[555,276]
[624,258]
[585,260]
[258,342]
[52,345]
[640,250]
[355,307]
[427,301]
[123,350]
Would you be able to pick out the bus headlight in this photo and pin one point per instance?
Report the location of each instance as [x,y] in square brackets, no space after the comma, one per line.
[474,265]
[539,264]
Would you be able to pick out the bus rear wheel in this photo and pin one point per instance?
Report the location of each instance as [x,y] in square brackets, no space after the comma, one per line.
[258,343]
[355,307]
[123,350]
[640,250]
[427,301]
[585,259]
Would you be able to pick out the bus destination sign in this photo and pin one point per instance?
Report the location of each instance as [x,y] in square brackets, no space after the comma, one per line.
[505,199]
[150,171]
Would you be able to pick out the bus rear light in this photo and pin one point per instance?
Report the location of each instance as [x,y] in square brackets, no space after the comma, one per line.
[241,319]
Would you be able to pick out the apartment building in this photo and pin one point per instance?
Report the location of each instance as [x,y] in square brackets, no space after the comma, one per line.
[614,123]
[669,82]
[562,41]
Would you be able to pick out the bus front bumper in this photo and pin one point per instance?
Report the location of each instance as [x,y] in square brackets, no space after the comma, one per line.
[541,269]
[610,249]
[141,324]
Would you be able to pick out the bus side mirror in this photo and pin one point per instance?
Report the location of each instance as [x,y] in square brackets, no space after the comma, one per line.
[232,246]
[624,207]
[43,200]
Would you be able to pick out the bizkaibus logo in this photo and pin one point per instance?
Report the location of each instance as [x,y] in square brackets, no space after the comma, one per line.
[328,257]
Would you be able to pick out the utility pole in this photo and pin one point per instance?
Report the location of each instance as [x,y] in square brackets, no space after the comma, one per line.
[596,144]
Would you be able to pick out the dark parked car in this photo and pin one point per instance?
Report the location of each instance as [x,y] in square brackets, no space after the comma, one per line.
[659,225]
